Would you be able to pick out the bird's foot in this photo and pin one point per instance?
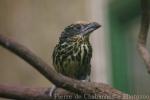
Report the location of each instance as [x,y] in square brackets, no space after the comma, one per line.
[52,90]
[87,79]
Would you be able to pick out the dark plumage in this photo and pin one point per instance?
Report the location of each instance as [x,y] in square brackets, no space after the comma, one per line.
[72,55]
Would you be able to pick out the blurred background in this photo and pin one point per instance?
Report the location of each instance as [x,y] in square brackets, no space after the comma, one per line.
[37,24]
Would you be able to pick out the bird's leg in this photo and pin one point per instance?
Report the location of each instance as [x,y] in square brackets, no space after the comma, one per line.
[87,79]
[52,90]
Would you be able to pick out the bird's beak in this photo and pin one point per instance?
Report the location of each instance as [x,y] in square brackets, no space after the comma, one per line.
[90,28]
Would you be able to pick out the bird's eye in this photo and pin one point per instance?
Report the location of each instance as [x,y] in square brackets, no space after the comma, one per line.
[78,27]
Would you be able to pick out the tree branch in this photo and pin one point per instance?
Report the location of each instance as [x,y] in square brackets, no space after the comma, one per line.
[142,38]
[32,93]
[42,93]
[23,93]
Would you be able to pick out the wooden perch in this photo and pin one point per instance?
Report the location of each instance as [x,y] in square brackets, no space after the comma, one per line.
[41,93]
[142,38]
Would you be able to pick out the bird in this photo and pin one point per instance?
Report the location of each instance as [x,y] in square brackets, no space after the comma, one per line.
[72,55]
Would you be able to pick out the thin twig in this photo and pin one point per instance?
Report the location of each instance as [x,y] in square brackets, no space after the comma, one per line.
[142,39]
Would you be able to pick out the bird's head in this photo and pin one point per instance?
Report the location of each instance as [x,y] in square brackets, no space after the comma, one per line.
[79,30]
